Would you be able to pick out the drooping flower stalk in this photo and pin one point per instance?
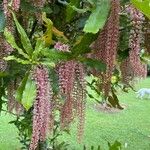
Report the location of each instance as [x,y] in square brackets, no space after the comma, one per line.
[13,104]
[66,71]
[106,46]
[72,88]
[147,35]
[80,98]
[42,113]
[126,71]
[9,19]
[135,41]
[5,50]
[66,84]
[16,5]
[39,4]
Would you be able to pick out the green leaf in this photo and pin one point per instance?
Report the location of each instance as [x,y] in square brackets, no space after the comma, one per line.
[115,146]
[47,63]
[24,38]
[19,60]
[20,90]
[94,63]
[69,11]
[83,46]
[98,16]
[116,100]
[123,54]
[11,40]
[28,7]
[3,74]
[2,21]
[55,55]
[40,45]
[142,5]
[29,94]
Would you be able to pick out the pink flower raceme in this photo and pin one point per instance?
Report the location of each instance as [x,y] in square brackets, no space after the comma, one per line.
[5,50]
[126,71]
[105,47]
[80,95]
[13,104]
[39,4]
[42,106]
[135,41]
[72,87]
[15,5]
[147,35]
[9,19]
[61,47]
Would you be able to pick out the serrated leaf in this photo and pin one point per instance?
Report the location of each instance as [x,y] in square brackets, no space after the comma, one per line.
[19,92]
[98,17]
[29,94]
[40,45]
[24,38]
[55,55]
[142,5]
[19,60]
[11,40]
[2,21]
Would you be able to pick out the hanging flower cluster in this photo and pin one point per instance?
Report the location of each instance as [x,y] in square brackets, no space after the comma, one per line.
[135,41]
[39,4]
[8,16]
[16,5]
[5,50]
[12,103]
[106,45]
[79,101]
[126,71]
[61,47]
[147,35]
[72,88]
[42,113]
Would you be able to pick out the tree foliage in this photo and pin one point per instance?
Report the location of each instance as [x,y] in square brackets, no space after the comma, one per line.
[48,47]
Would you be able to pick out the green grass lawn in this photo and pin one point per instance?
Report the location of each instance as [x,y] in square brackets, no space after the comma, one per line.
[8,134]
[130,126]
